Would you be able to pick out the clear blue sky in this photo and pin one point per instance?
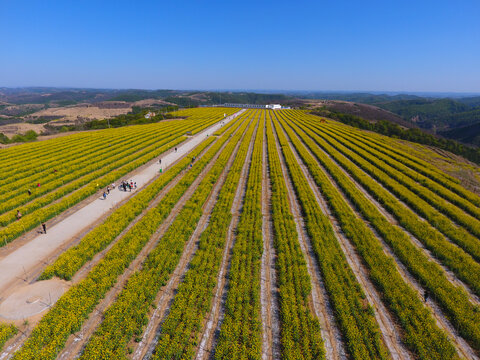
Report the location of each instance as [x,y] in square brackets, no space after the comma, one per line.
[401,45]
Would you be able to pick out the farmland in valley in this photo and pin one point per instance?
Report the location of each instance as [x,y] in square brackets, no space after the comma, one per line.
[252,234]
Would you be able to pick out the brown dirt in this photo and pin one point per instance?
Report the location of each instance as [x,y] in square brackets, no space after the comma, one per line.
[20,128]
[268,284]
[84,111]
[31,299]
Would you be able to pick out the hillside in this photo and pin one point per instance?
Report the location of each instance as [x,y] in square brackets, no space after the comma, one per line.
[368,112]
[434,114]
[469,134]
[259,232]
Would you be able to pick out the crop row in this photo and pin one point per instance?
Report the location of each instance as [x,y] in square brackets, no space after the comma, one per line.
[179,333]
[25,176]
[453,299]
[412,161]
[355,317]
[300,331]
[420,332]
[461,263]
[25,171]
[386,145]
[239,336]
[70,261]
[28,173]
[38,152]
[6,332]
[129,313]
[91,182]
[72,309]
[434,186]
[65,162]
[93,161]
[43,209]
[402,177]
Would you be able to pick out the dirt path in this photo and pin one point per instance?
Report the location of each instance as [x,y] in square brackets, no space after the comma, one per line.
[268,284]
[22,260]
[461,345]
[76,343]
[390,331]
[212,326]
[166,295]
[334,347]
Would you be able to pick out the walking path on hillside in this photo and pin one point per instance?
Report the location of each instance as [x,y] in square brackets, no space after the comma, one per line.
[17,264]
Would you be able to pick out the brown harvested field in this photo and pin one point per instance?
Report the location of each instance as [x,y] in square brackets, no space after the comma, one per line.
[18,128]
[72,113]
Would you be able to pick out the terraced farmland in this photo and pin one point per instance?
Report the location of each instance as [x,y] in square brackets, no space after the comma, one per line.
[252,234]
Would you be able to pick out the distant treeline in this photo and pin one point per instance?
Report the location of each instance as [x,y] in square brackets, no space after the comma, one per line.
[415,135]
[30,135]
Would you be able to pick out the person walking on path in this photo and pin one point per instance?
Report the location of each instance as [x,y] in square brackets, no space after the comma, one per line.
[175,149]
[108,190]
[44,227]
[135,184]
[159,161]
[104,195]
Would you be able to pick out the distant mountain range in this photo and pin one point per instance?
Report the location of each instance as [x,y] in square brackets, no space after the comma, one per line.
[456,116]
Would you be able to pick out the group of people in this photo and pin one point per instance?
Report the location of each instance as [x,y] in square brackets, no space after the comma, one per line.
[124,185]
[128,185]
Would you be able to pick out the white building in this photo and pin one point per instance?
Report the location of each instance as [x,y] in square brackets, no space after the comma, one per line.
[274,106]
[149,115]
